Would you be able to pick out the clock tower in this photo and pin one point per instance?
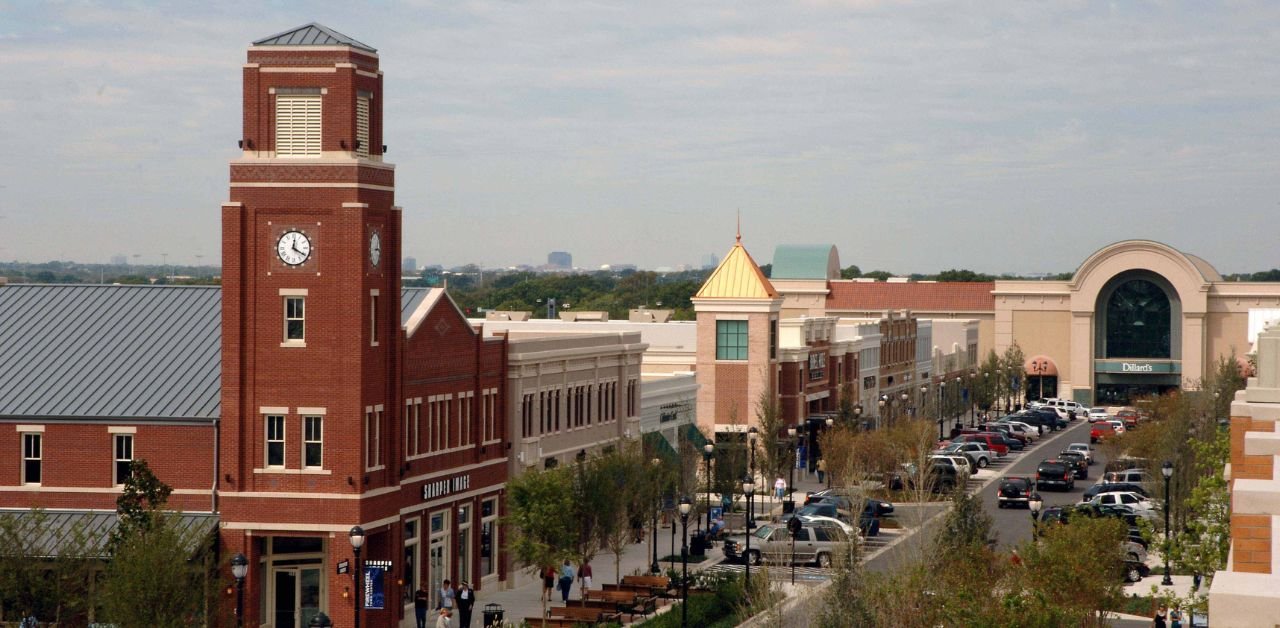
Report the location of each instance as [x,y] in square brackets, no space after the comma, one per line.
[310,318]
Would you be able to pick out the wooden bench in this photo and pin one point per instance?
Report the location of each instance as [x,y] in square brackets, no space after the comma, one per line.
[657,585]
[630,603]
[551,622]
[585,614]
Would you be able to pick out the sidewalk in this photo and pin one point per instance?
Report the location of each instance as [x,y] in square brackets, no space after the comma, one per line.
[526,600]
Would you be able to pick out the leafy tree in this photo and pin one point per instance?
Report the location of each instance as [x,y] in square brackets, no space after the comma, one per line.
[850,272]
[1014,362]
[878,275]
[962,275]
[773,456]
[540,519]
[141,501]
[767,269]
[155,577]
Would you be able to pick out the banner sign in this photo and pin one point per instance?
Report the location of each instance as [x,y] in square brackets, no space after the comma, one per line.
[1137,367]
[374,593]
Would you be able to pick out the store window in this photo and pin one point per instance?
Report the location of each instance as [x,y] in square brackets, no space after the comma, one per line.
[731,340]
[1139,321]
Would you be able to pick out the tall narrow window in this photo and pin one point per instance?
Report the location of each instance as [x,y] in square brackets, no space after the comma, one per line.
[373,319]
[731,340]
[362,124]
[31,458]
[313,442]
[275,440]
[373,438]
[295,318]
[297,122]
[123,457]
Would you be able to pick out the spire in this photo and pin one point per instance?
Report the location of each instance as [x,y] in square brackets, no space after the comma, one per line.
[737,277]
[739,226]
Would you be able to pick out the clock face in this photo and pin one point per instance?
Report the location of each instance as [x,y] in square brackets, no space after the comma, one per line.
[375,248]
[294,247]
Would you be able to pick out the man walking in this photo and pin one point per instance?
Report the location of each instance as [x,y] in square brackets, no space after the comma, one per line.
[566,580]
[421,604]
[466,600]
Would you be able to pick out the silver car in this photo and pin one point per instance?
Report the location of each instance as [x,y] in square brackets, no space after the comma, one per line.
[816,542]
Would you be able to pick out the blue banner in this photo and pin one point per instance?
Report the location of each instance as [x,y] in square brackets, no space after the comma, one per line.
[374,585]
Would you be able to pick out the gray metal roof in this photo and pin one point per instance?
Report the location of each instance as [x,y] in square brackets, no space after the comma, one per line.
[87,532]
[312,34]
[116,352]
[146,352]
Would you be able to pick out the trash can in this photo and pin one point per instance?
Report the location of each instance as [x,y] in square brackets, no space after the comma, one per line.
[698,544]
[492,616]
[788,507]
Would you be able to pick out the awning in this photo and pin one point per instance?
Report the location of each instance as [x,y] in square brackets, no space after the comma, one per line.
[88,532]
[694,436]
[656,445]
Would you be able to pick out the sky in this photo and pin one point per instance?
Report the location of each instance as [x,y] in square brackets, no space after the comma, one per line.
[914,136]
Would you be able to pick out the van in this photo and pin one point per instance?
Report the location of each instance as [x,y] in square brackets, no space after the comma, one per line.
[1128,476]
[815,542]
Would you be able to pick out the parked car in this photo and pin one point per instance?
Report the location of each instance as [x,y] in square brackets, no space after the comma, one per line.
[1126,498]
[1135,571]
[1119,425]
[1101,431]
[1128,476]
[1114,487]
[849,530]
[1030,432]
[845,500]
[939,478]
[1054,472]
[824,509]
[1083,448]
[977,453]
[1007,431]
[1098,414]
[1078,463]
[960,462]
[994,442]
[815,542]
[1014,490]
[1129,417]
[1048,415]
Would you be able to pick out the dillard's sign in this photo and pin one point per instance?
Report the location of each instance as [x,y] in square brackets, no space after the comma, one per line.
[1153,367]
[1130,367]
[440,488]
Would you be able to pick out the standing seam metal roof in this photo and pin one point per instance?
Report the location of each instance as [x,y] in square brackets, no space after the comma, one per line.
[312,34]
[116,352]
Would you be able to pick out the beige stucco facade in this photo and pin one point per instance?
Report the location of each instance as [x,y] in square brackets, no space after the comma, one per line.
[1063,320]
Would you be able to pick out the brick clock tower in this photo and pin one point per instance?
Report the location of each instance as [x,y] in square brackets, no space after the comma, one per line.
[310,327]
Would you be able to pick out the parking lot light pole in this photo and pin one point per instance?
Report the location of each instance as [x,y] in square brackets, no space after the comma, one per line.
[1167,471]
[685,506]
[790,505]
[1035,503]
[883,401]
[752,434]
[657,504]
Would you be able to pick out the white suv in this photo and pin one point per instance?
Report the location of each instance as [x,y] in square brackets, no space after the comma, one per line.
[1098,414]
[1133,500]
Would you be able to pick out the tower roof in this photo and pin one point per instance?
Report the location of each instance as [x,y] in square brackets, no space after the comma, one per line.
[806,261]
[312,34]
[737,277]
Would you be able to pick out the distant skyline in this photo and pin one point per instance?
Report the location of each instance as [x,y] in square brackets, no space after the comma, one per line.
[916,137]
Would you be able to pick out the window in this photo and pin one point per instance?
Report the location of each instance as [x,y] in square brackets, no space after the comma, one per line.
[488,530]
[123,457]
[297,122]
[373,438]
[275,440]
[31,458]
[295,318]
[373,319]
[312,442]
[362,124]
[773,339]
[731,340]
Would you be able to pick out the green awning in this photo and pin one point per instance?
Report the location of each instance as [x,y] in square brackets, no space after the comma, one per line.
[656,445]
[694,436]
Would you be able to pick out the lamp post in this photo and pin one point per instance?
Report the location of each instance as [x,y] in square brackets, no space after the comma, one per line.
[1167,471]
[239,569]
[973,400]
[903,398]
[1040,365]
[707,450]
[748,489]
[685,506]
[657,500]
[958,409]
[884,400]
[1035,503]
[789,506]
[752,435]
[357,541]
[857,413]
[831,422]
[320,621]
[942,389]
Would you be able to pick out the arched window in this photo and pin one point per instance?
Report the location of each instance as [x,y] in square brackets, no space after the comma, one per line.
[1139,321]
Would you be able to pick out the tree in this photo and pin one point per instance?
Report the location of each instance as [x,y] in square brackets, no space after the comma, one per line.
[623,480]
[142,499]
[772,457]
[962,275]
[850,272]
[540,519]
[1014,363]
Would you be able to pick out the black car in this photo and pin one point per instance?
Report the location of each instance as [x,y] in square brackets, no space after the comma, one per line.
[1118,487]
[1049,416]
[842,500]
[1042,421]
[1135,571]
[1055,472]
[1015,490]
[1078,461]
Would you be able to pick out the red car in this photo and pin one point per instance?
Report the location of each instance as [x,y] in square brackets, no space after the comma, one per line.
[1129,417]
[1100,430]
[995,442]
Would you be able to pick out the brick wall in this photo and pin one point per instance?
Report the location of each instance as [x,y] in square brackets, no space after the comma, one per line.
[1250,533]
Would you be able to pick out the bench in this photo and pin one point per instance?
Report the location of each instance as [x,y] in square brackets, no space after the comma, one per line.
[584,614]
[657,585]
[551,622]
[630,603]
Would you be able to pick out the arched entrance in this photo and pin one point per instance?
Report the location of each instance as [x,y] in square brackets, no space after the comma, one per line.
[1042,377]
[1137,338]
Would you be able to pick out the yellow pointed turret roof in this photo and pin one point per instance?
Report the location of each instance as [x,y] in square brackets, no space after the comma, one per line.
[737,277]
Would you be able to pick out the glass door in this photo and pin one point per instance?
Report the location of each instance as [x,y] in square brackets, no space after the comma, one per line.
[438,554]
[308,595]
[285,613]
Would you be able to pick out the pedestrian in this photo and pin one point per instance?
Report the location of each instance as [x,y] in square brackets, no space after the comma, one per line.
[548,581]
[779,487]
[1175,617]
[421,603]
[445,601]
[566,580]
[442,619]
[822,470]
[466,600]
[1158,620]
[584,572]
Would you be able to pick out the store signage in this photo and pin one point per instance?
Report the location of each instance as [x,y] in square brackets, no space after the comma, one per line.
[344,567]
[375,572]
[1137,366]
[440,488]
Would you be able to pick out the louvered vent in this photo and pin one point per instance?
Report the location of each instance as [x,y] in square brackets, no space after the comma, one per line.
[362,126]
[297,126]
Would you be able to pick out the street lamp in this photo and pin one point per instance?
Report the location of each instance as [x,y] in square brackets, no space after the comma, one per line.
[789,506]
[748,489]
[942,391]
[884,399]
[1035,503]
[239,569]
[320,621]
[685,506]
[1167,471]
[657,499]
[857,412]
[752,435]
[357,541]
[707,450]
[973,400]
